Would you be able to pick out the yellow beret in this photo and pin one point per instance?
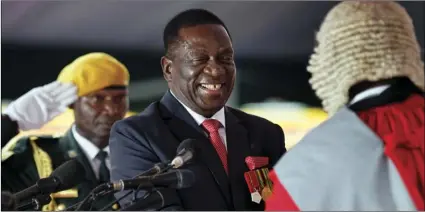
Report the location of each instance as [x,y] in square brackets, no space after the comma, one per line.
[94,71]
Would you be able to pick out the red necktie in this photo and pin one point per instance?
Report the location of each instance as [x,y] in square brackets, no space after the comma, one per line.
[212,126]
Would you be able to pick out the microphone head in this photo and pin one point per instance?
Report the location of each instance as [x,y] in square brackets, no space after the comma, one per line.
[69,174]
[8,201]
[185,152]
[186,145]
[175,178]
[186,178]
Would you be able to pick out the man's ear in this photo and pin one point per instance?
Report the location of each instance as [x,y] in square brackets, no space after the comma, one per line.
[166,68]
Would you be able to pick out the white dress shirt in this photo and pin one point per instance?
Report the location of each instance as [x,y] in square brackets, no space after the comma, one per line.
[91,150]
[375,91]
[219,116]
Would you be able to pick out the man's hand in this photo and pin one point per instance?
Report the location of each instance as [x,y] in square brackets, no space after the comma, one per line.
[41,104]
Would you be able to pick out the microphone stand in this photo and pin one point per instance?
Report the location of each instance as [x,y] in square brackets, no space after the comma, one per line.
[36,203]
[99,191]
[124,196]
[157,169]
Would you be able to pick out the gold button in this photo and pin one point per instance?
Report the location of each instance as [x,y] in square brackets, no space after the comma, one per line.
[60,207]
[116,206]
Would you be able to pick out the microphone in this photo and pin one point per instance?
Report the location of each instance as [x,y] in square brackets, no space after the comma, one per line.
[8,201]
[185,153]
[177,179]
[36,203]
[152,202]
[174,179]
[64,177]
[156,169]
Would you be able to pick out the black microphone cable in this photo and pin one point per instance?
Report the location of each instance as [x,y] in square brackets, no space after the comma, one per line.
[135,192]
[90,197]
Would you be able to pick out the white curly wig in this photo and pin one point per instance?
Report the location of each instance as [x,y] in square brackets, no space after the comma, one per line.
[360,41]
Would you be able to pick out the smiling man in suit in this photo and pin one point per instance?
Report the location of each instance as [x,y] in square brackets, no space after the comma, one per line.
[200,71]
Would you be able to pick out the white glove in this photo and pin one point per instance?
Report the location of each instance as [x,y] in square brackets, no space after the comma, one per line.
[41,104]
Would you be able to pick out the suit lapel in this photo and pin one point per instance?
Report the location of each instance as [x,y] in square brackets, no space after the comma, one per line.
[183,126]
[238,147]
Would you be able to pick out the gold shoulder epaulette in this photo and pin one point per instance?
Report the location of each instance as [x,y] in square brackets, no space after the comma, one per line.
[8,150]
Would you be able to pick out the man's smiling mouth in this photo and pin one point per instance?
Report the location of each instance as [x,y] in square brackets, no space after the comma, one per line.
[213,87]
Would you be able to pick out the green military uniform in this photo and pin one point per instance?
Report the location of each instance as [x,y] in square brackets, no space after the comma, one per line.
[34,157]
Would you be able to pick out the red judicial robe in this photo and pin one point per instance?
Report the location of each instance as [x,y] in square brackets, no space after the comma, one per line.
[369,160]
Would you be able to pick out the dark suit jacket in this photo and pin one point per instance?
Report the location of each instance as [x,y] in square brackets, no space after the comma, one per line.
[139,142]
[19,171]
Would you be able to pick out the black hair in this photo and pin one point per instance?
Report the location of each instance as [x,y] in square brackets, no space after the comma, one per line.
[188,18]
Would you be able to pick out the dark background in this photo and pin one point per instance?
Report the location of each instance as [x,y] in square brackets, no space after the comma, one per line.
[273,41]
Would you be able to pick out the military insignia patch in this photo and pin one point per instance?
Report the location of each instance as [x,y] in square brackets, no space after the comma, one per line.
[72,154]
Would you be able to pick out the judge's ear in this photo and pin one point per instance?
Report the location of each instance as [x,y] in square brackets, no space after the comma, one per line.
[166,65]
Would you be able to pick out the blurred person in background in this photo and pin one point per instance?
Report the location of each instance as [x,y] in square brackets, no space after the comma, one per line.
[369,155]
[32,111]
[199,68]
[101,99]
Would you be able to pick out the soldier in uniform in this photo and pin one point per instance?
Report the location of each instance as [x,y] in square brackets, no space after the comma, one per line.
[29,112]
[101,83]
